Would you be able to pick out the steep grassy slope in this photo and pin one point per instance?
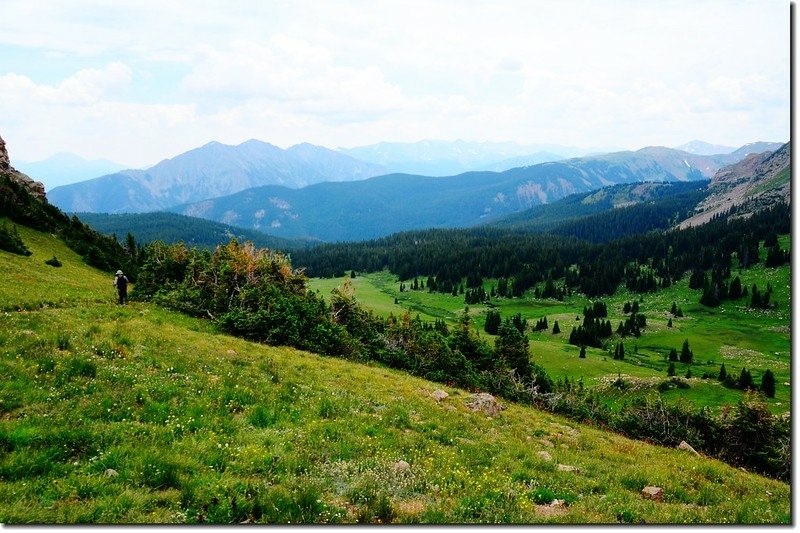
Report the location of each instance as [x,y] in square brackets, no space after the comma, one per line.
[28,283]
[140,415]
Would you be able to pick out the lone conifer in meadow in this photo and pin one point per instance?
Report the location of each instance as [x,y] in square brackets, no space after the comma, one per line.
[768,384]
[556,329]
[686,354]
[723,374]
[583,352]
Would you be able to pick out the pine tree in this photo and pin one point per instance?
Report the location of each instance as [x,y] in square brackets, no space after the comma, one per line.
[556,329]
[735,290]
[745,380]
[671,369]
[669,323]
[512,347]
[493,321]
[673,355]
[723,374]
[583,352]
[674,309]
[686,354]
[768,384]
[688,373]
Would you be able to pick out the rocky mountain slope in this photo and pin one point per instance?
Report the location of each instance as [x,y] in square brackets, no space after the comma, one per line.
[212,170]
[758,181]
[34,187]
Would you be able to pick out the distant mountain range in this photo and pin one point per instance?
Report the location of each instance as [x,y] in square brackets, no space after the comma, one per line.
[65,168]
[210,171]
[704,148]
[448,158]
[387,204]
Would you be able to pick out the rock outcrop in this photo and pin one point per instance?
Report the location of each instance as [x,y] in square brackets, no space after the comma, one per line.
[36,188]
[758,181]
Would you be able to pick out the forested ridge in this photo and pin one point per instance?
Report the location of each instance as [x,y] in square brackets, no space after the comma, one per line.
[643,261]
[172,228]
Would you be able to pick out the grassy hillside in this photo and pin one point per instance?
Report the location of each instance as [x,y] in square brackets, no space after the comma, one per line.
[28,283]
[140,415]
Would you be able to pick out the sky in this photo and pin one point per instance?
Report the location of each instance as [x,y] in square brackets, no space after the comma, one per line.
[139,81]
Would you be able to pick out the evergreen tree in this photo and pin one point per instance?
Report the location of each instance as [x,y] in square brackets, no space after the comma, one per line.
[619,351]
[669,323]
[768,384]
[512,347]
[493,321]
[583,352]
[745,380]
[686,354]
[626,308]
[735,290]
[673,355]
[688,372]
[723,374]
[556,329]
[755,297]
[671,369]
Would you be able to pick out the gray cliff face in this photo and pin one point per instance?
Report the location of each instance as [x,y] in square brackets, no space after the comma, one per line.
[36,188]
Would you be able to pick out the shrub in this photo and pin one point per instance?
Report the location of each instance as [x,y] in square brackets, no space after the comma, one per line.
[53,262]
[10,241]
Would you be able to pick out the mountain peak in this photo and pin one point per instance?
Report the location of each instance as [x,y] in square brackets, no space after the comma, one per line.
[698,147]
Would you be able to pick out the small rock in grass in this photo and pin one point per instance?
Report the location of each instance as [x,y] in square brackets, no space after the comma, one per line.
[567,468]
[653,493]
[401,466]
[231,352]
[110,472]
[688,447]
[439,395]
[544,456]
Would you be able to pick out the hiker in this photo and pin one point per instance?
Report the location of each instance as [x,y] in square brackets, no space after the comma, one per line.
[121,283]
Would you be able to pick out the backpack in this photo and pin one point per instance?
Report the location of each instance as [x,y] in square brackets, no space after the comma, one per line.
[121,283]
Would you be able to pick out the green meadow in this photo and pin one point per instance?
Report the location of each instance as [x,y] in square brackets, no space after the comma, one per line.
[733,334]
[137,414]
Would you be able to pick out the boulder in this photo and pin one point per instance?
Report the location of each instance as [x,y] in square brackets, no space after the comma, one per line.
[567,468]
[485,403]
[653,493]
[439,395]
[5,162]
[35,188]
[688,447]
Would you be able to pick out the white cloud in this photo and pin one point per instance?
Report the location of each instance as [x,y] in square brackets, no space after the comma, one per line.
[166,76]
